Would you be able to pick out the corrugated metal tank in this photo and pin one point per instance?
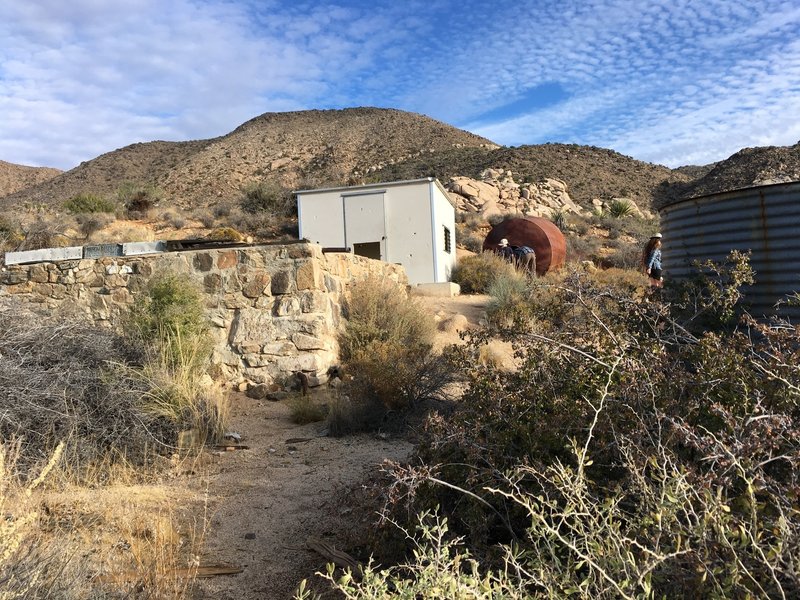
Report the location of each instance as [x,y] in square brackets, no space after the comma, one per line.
[764,220]
[540,234]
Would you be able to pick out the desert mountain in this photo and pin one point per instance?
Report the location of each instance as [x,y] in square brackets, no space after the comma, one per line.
[19,177]
[361,145]
[316,147]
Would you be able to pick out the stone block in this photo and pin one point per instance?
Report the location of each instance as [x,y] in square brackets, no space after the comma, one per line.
[227,259]
[309,276]
[258,360]
[225,356]
[13,277]
[286,306]
[282,283]
[251,325]
[314,302]
[266,303]
[301,362]
[39,274]
[307,342]
[122,296]
[280,348]
[256,284]
[212,283]
[203,261]
[445,289]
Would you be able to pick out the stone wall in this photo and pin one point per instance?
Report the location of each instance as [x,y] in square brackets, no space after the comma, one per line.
[274,309]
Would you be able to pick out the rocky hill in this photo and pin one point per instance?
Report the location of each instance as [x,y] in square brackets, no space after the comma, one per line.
[317,147]
[746,168]
[362,145]
[19,177]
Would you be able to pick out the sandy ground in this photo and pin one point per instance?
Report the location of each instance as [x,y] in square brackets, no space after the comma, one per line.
[267,501]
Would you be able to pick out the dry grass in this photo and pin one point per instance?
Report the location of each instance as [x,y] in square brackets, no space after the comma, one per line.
[71,541]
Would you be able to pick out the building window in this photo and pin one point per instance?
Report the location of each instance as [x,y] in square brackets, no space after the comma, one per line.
[447,244]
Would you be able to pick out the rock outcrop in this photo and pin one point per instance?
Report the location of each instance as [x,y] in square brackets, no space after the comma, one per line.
[497,194]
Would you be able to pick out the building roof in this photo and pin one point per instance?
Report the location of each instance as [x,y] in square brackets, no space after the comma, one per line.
[373,186]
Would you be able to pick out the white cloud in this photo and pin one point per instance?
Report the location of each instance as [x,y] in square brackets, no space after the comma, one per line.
[671,81]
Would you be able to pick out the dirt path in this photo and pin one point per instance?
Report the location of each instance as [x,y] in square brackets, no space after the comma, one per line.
[268,500]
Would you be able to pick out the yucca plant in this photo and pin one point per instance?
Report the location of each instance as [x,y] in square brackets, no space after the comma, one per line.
[620,208]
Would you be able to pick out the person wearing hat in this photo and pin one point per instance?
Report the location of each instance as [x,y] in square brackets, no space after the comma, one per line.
[504,250]
[651,261]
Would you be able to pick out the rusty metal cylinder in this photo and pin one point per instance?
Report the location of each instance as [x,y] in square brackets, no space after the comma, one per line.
[540,234]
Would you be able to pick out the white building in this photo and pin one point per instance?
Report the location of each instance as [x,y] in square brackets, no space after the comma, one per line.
[406,222]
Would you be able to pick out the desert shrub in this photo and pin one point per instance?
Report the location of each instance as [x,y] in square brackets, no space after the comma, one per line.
[627,456]
[510,302]
[303,409]
[469,239]
[268,197]
[206,217]
[10,234]
[712,298]
[138,199]
[89,203]
[559,219]
[497,219]
[222,209]
[386,350]
[174,219]
[40,233]
[582,248]
[624,256]
[475,273]
[59,382]
[171,306]
[91,223]
[30,566]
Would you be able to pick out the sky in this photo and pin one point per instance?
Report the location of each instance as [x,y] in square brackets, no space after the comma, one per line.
[674,82]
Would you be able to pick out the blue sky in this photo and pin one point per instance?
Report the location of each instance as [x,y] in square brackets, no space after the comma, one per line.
[668,81]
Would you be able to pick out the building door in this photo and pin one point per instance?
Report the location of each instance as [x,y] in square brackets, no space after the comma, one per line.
[365,225]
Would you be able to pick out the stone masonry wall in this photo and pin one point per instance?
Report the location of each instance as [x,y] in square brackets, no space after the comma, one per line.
[274,309]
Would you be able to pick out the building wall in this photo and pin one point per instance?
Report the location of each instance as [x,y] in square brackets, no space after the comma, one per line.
[409,233]
[415,214]
[274,310]
[321,218]
[444,217]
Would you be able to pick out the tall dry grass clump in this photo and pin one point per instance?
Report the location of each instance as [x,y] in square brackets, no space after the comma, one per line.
[172,328]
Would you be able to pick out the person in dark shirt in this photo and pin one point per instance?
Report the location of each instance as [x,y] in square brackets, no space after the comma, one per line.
[506,251]
[526,259]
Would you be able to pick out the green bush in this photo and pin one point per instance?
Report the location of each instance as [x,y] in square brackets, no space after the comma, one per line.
[559,219]
[630,454]
[171,306]
[303,409]
[476,273]
[89,203]
[268,197]
[510,302]
[138,199]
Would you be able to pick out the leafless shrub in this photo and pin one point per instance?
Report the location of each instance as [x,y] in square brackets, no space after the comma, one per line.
[57,383]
